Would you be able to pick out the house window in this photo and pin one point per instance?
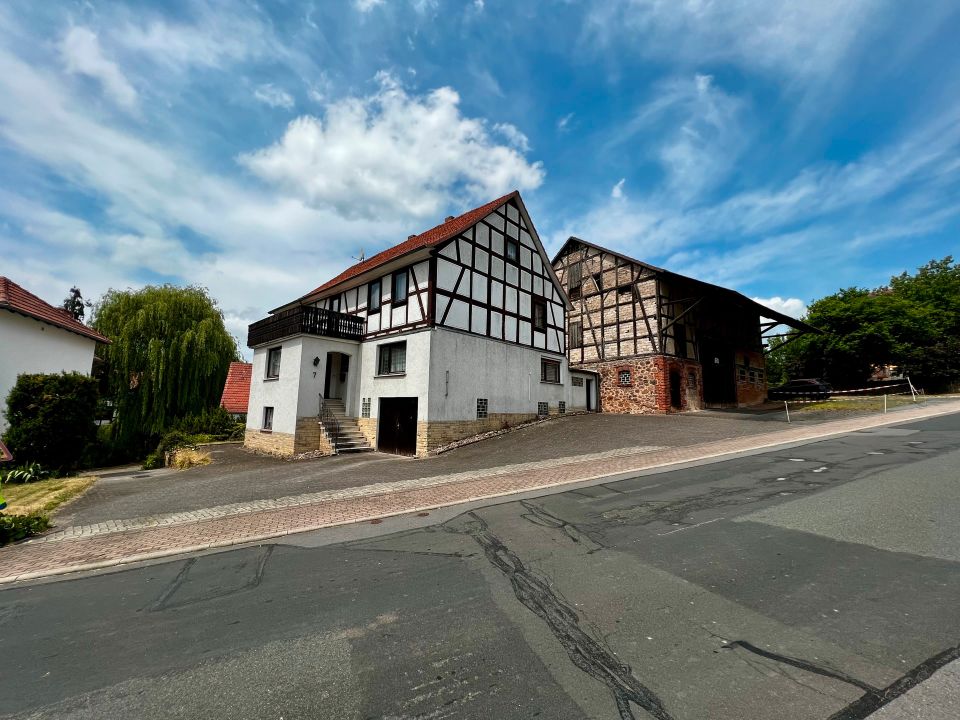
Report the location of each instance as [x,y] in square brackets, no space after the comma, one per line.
[512,249]
[576,381]
[576,334]
[562,407]
[549,371]
[625,378]
[268,418]
[574,280]
[373,297]
[365,408]
[392,359]
[399,295]
[542,409]
[539,315]
[273,362]
[482,407]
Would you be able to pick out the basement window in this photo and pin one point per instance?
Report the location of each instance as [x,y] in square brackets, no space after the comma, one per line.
[542,409]
[626,378]
[365,408]
[267,418]
[482,407]
[562,407]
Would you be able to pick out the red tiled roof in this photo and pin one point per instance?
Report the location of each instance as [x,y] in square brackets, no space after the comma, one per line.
[430,238]
[15,298]
[236,390]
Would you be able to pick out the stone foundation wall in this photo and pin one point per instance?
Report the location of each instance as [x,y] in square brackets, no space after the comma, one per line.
[309,437]
[368,426]
[649,387]
[431,435]
[272,443]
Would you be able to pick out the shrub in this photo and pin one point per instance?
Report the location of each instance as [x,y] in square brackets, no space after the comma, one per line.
[154,460]
[51,419]
[173,440]
[29,473]
[18,527]
[216,422]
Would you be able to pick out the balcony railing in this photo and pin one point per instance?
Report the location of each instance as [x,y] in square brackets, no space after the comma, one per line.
[306,320]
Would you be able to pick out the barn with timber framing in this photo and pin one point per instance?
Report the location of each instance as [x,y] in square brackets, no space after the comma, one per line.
[663,342]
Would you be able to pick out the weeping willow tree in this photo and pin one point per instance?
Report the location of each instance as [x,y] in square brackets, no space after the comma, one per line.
[168,357]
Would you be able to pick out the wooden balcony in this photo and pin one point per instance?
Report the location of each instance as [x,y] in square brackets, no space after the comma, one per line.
[306,320]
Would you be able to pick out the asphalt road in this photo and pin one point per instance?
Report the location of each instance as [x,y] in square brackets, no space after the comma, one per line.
[816,582]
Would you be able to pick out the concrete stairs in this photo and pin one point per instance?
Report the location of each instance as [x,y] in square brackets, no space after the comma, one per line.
[351,440]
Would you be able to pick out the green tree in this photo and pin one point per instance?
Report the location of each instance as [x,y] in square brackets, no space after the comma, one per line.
[75,304]
[168,357]
[51,419]
[913,324]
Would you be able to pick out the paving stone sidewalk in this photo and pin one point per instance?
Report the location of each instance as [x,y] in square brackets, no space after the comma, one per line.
[113,543]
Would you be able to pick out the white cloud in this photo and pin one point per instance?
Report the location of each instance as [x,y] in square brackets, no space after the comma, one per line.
[513,136]
[82,55]
[367,5]
[783,36]
[794,307]
[392,153]
[270,94]
[617,191]
[700,133]
[563,124]
[478,4]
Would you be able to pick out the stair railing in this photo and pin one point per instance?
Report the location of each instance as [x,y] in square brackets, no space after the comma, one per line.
[330,424]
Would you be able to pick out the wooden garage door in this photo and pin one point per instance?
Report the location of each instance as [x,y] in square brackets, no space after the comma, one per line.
[397,426]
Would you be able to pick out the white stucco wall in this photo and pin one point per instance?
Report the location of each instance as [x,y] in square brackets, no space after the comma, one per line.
[32,346]
[413,383]
[281,394]
[312,377]
[506,374]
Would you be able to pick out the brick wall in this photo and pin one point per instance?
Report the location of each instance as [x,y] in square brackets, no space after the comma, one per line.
[752,389]
[649,387]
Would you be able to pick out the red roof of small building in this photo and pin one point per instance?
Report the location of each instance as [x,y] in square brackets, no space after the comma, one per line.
[431,238]
[236,390]
[16,299]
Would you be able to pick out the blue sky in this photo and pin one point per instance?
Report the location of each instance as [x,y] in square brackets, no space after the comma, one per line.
[784,149]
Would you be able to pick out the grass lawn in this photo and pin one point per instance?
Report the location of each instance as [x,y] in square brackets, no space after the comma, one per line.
[44,496]
[861,404]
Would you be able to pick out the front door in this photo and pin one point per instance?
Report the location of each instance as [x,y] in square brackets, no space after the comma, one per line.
[397,426]
[675,389]
[719,388]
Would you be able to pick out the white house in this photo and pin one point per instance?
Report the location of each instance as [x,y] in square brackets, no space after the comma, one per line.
[36,337]
[456,331]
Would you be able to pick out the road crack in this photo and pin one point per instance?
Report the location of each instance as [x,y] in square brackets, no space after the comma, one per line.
[588,654]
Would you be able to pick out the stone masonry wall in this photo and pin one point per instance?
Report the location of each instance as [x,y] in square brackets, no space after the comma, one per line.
[649,388]
[273,443]
[431,435]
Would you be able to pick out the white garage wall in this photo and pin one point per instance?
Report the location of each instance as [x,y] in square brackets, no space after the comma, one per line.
[413,383]
[506,374]
[32,346]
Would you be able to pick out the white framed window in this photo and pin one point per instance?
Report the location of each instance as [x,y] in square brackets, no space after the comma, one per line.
[273,362]
[392,358]
[549,371]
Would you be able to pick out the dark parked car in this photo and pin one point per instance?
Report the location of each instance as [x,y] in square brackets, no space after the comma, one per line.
[806,389]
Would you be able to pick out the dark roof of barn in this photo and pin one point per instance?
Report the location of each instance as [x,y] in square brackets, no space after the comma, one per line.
[740,298]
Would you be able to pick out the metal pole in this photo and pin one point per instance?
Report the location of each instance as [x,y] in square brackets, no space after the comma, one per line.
[787,408]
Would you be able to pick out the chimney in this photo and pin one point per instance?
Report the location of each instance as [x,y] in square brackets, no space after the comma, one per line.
[448,218]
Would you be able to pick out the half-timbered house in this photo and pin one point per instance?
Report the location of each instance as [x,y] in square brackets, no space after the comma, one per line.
[661,341]
[453,332]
